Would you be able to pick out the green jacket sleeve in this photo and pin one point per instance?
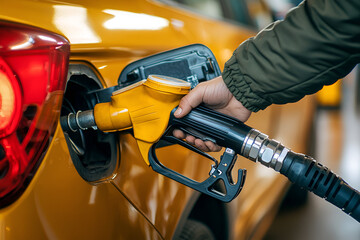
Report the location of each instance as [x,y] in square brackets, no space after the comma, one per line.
[316,44]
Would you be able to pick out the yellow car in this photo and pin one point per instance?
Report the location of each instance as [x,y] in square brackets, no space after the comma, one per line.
[95,185]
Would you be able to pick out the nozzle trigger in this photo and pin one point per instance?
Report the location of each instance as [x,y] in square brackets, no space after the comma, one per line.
[220,171]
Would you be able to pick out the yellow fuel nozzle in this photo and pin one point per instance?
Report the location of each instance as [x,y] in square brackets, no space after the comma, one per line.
[144,106]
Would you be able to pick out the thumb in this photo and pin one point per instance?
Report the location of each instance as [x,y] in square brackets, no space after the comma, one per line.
[190,101]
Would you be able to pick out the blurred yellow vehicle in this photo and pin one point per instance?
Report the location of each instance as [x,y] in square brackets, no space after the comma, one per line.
[330,96]
[94,185]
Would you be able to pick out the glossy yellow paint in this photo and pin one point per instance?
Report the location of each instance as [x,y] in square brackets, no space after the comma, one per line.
[137,203]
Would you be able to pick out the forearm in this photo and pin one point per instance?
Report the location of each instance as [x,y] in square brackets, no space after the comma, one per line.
[317,43]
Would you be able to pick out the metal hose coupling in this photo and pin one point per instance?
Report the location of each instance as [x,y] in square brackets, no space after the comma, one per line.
[258,147]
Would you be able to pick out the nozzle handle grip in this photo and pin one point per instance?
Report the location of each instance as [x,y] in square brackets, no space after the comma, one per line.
[224,130]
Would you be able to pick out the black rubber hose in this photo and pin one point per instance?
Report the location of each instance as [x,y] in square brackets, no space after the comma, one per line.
[313,176]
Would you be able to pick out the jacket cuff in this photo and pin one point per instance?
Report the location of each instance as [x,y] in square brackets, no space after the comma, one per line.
[240,86]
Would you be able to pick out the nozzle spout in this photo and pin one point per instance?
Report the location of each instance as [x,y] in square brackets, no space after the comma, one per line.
[80,120]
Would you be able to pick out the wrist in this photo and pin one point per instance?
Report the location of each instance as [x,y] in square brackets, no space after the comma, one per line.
[240,88]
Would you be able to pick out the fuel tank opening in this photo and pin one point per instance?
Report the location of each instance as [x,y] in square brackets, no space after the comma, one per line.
[93,152]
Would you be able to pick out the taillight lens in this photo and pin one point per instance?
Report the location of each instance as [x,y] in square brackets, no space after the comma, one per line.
[33,70]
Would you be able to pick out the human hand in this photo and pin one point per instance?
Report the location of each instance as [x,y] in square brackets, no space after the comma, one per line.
[215,95]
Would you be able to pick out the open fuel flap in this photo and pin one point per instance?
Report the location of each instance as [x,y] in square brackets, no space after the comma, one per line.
[194,63]
[95,153]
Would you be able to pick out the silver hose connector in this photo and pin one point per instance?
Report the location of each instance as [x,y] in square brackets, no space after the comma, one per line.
[259,148]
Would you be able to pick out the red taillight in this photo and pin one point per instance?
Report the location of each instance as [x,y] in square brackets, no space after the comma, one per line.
[10,100]
[33,69]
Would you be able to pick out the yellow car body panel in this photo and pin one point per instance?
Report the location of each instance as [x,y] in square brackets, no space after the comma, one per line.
[136,203]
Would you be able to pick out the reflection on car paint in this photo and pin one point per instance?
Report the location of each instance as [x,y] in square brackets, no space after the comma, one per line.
[134,21]
[74,23]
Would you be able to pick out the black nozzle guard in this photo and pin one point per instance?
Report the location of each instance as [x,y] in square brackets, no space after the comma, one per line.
[219,172]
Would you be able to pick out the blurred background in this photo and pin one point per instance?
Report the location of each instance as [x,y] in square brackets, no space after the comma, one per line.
[336,131]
